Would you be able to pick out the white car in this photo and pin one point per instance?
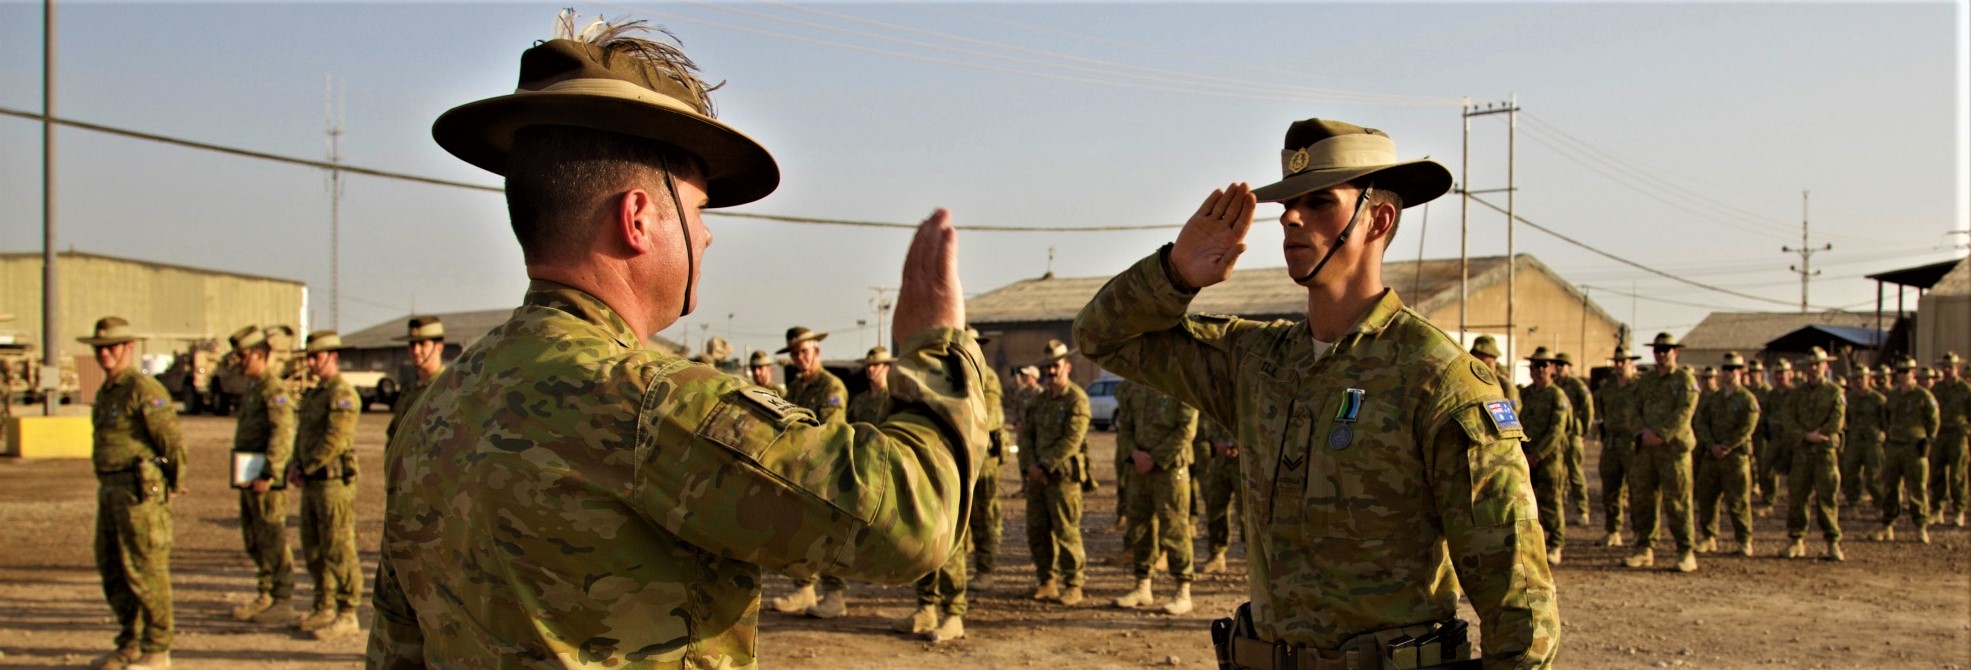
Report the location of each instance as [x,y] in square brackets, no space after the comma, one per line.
[1102,401]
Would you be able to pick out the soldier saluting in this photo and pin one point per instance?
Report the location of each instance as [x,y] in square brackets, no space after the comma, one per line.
[1378,457]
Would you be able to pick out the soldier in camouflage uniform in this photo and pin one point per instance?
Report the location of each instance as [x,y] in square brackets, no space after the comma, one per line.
[570,496]
[942,592]
[1818,412]
[760,370]
[872,405]
[325,466]
[1127,396]
[1666,399]
[1486,350]
[988,520]
[1221,489]
[1861,455]
[1908,435]
[1583,402]
[1755,381]
[1951,455]
[1381,463]
[1548,418]
[266,426]
[1160,495]
[1053,466]
[1620,424]
[1777,408]
[140,463]
[425,337]
[1722,460]
[817,390]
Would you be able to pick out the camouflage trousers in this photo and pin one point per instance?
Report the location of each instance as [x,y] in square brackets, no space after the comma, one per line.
[1054,530]
[1905,469]
[986,523]
[328,542]
[1124,476]
[944,588]
[1729,480]
[1948,458]
[1221,488]
[1614,467]
[1577,474]
[133,556]
[1768,465]
[1549,479]
[1813,482]
[1861,468]
[1160,521]
[263,525]
[1661,475]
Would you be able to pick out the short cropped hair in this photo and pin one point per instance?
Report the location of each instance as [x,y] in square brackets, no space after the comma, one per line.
[560,179]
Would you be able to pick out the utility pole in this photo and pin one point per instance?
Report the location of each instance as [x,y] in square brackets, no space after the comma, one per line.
[332,102]
[881,305]
[1511,109]
[1806,251]
[51,306]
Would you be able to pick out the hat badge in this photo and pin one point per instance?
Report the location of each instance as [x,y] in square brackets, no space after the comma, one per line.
[1297,162]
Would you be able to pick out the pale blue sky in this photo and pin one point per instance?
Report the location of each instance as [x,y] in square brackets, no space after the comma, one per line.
[1115,114]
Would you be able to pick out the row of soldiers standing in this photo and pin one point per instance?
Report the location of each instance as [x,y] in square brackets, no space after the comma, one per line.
[1672,441]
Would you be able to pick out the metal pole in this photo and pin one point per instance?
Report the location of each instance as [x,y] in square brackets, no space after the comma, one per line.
[1464,227]
[1512,258]
[1806,254]
[51,308]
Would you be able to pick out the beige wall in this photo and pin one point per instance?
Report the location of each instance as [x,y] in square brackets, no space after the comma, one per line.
[1943,323]
[1547,315]
[172,305]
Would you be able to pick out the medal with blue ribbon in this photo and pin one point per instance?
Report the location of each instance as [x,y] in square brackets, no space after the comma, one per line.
[1351,408]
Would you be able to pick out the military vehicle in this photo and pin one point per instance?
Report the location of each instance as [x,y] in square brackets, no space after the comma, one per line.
[20,368]
[209,379]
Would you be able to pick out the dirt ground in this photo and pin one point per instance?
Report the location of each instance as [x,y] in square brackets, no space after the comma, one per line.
[1900,605]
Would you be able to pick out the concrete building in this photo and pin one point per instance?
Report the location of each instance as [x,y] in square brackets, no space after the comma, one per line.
[174,305]
[1549,311]
[1769,336]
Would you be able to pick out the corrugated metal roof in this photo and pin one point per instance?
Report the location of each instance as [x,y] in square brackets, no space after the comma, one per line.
[1956,282]
[463,328]
[1852,335]
[1258,292]
[36,256]
[1750,331]
[1925,276]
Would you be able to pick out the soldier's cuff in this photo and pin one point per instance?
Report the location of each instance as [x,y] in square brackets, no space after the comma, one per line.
[940,373]
[1170,272]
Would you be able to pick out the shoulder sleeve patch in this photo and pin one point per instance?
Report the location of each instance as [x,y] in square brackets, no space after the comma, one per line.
[1502,415]
[744,412]
[1478,370]
[1484,424]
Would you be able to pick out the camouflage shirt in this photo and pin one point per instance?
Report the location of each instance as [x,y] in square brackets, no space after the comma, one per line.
[1056,424]
[565,496]
[1867,414]
[1817,406]
[325,439]
[1583,402]
[137,424]
[1912,415]
[1953,405]
[405,399]
[266,423]
[824,394]
[870,406]
[1617,406]
[1161,426]
[1727,418]
[1778,407]
[1548,420]
[1375,471]
[1665,402]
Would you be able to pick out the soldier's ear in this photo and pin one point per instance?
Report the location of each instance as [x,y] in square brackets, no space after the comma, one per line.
[635,221]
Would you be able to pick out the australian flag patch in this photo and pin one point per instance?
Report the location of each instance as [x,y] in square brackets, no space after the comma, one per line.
[1502,415]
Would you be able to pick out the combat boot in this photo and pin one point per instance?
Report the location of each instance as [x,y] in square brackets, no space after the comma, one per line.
[1745,548]
[279,614]
[1553,556]
[1047,591]
[1614,539]
[1072,596]
[260,603]
[317,618]
[1141,597]
[1960,520]
[1687,562]
[1923,534]
[1834,551]
[1707,545]
[1641,559]
[953,628]
[118,659]
[980,581]
[1181,604]
[1887,534]
[795,603]
[833,604]
[1798,549]
[924,620]
[1216,564]
[344,624]
[1586,520]
[151,660]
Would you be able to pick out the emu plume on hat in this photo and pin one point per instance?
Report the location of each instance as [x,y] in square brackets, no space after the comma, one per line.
[602,78]
[1321,153]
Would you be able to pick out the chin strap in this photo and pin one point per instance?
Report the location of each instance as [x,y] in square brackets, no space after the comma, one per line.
[1307,279]
[690,260]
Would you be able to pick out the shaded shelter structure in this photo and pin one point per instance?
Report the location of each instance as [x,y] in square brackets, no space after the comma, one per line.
[1942,319]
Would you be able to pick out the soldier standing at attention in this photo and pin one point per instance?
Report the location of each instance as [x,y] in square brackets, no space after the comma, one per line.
[1910,429]
[1583,402]
[1780,433]
[1861,451]
[1486,350]
[986,523]
[1666,399]
[1160,496]
[1723,425]
[943,591]
[1951,455]
[1620,424]
[1221,489]
[325,466]
[761,370]
[1755,381]
[628,524]
[1818,410]
[1053,465]
[817,390]
[1549,421]
[1707,382]
[1379,459]
[140,463]
[266,426]
[1127,395]
[873,404]
[425,338]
